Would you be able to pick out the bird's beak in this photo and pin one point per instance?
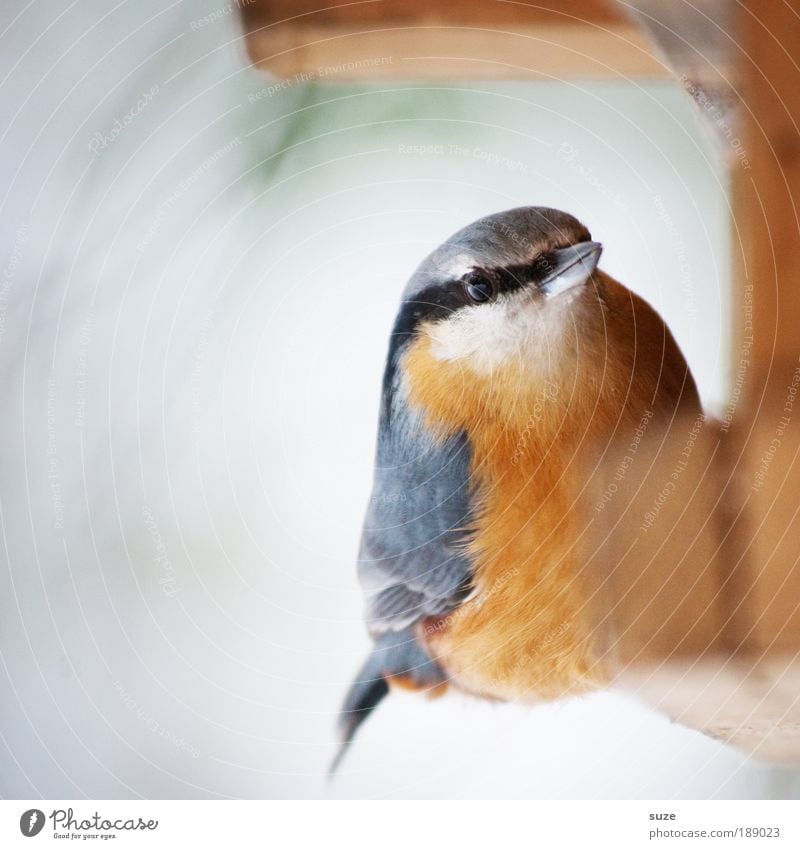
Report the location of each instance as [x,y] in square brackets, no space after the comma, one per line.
[572,267]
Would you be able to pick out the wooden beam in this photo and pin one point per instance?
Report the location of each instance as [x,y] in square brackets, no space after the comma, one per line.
[414,12]
[477,39]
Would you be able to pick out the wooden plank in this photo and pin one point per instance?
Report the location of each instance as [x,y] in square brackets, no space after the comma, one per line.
[259,13]
[748,704]
[480,39]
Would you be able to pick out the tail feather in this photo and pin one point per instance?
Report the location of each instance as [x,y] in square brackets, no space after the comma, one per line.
[365,694]
[396,654]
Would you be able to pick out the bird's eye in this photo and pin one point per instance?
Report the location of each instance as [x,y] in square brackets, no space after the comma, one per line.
[479,288]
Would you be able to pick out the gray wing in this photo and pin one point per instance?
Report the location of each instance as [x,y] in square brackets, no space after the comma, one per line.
[412,561]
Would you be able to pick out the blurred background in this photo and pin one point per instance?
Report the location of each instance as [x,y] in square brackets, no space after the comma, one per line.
[200,272]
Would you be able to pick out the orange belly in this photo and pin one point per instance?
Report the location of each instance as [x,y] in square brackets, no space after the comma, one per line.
[526,634]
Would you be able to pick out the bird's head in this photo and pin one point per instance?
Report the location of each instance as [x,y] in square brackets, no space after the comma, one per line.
[513,308]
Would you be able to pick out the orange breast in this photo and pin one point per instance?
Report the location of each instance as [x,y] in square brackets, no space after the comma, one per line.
[524,635]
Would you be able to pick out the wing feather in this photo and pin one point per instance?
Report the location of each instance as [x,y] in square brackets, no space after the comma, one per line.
[413,561]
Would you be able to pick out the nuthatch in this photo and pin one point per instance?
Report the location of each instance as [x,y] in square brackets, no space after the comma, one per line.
[510,354]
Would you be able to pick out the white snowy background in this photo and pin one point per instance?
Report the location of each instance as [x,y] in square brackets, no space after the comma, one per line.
[198,280]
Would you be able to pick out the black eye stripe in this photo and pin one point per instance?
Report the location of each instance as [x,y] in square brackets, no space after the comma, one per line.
[479,286]
[440,301]
[508,278]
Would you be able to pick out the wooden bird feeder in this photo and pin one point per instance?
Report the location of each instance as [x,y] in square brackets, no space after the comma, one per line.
[700,609]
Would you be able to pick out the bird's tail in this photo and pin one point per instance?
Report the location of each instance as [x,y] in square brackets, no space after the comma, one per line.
[396,656]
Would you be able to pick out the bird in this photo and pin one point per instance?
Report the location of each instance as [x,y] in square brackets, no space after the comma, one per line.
[511,359]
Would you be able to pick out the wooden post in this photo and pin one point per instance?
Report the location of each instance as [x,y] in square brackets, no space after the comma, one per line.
[766,196]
